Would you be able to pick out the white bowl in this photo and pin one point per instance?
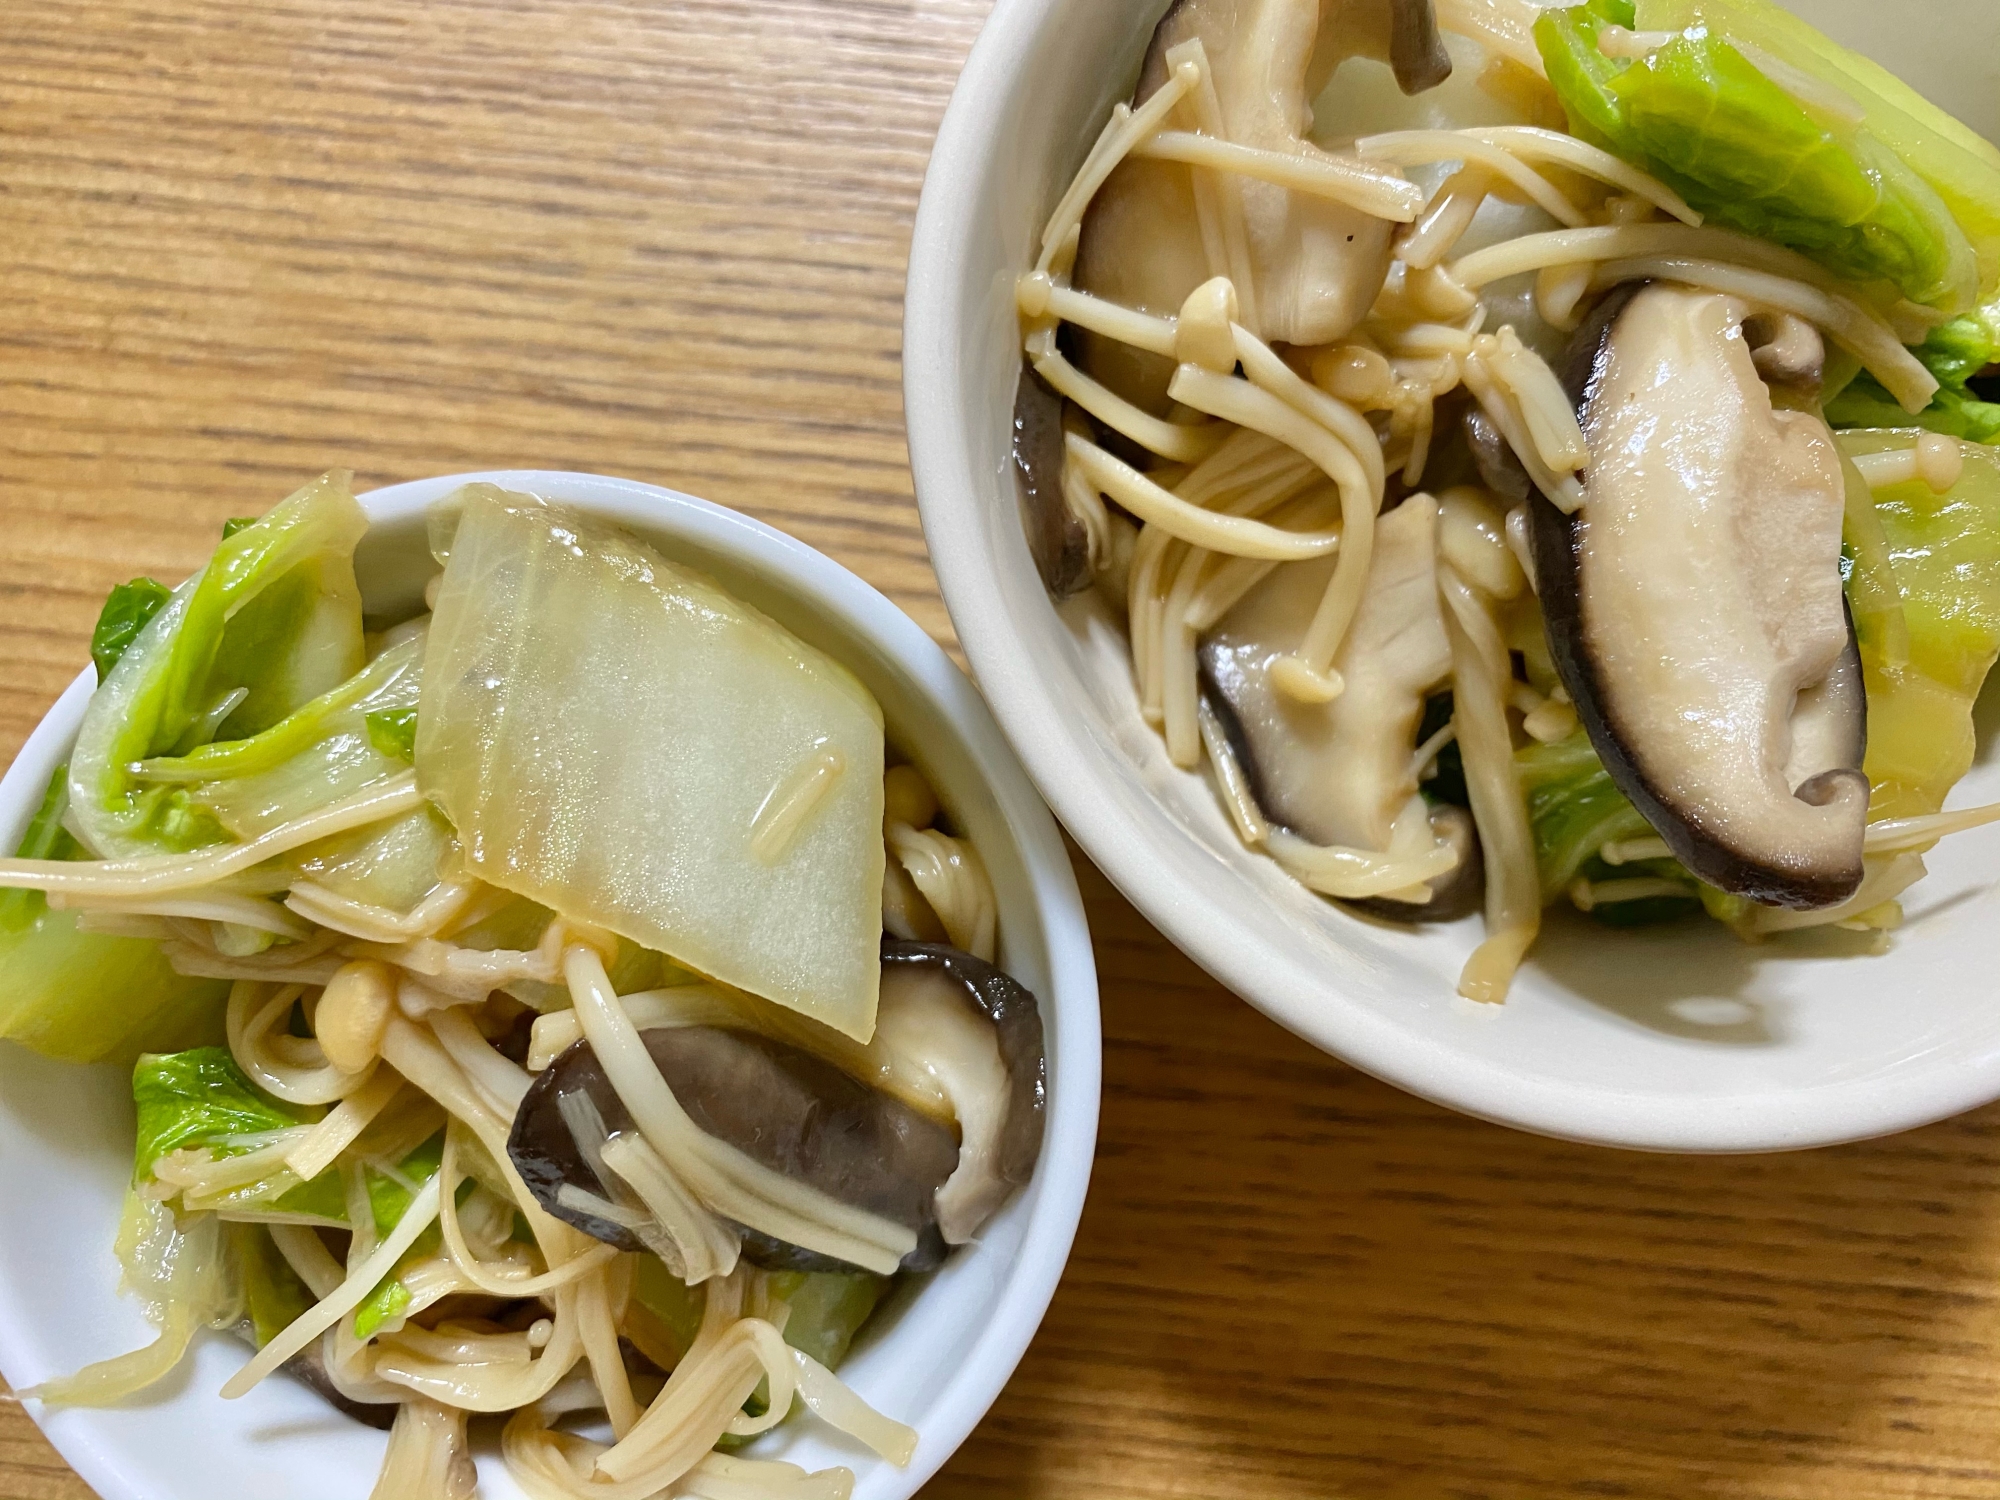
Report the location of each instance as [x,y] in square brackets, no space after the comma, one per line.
[937,1356]
[1678,1040]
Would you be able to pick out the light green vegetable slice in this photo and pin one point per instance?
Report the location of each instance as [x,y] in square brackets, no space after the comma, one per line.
[1960,165]
[86,996]
[272,622]
[126,612]
[614,736]
[1955,353]
[1701,116]
[200,1098]
[1574,808]
[273,1295]
[389,1199]
[1944,555]
[320,753]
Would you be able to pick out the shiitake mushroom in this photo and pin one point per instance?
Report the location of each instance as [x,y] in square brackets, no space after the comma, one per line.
[1694,601]
[978,1031]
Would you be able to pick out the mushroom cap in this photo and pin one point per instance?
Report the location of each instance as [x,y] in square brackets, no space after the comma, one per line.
[1694,601]
[778,1104]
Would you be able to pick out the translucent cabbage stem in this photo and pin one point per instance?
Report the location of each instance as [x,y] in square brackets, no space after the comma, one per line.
[110,1381]
[158,874]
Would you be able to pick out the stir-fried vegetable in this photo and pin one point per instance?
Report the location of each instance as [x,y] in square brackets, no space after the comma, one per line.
[1960,165]
[555,731]
[1945,559]
[1957,353]
[87,996]
[1703,118]
[200,1100]
[271,623]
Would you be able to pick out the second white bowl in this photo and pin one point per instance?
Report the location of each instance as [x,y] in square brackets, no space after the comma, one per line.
[1677,1039]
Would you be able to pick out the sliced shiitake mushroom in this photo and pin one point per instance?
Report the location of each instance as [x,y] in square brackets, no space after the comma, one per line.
[1316,265]
[1056,539]
[778,1104]
[1459,894]
[970,1033]
[1694,602]
[1342,772]
[979,1032]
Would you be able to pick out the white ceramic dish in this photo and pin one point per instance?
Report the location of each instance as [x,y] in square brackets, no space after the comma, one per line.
[935,1358]
[1678,1040]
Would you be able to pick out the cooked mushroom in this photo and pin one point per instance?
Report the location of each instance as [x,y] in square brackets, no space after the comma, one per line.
[1787,351]
[1056,538]
[778,1104]
[1500,469]
[1401,33]
[1460,893]
[956,1042]
[1316,266]
[1341,772]
[979,1034]
[1694,601]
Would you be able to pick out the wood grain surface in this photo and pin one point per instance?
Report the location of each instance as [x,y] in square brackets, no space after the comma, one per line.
[243,242]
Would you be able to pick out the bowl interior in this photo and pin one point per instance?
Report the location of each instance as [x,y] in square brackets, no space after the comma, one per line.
[1675,1039]
[935,1358]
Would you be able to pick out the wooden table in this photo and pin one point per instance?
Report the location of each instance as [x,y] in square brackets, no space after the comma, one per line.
[665,238]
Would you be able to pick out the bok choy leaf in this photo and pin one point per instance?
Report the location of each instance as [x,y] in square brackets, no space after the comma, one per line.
[87,996]
[272,622]
[1701,116]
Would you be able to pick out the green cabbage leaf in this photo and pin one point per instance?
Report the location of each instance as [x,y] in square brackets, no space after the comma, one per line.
[1703,118]
[87,996]
[271,623]
[1957,353]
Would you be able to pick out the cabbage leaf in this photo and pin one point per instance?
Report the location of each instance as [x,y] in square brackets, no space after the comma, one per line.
[1956,353]
[87,996]
[200,1099]
[272,622]
[1944,556]
[127,611]
[1700,115]
[604,728]
[1959,164]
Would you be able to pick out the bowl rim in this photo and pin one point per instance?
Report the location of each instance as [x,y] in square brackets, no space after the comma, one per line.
[1070,1008]
[1069,767]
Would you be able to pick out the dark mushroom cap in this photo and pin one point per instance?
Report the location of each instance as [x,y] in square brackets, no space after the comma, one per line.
[778,1104]
[1056,539]
[1458,894]
[1694,603]
[1017,1024]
